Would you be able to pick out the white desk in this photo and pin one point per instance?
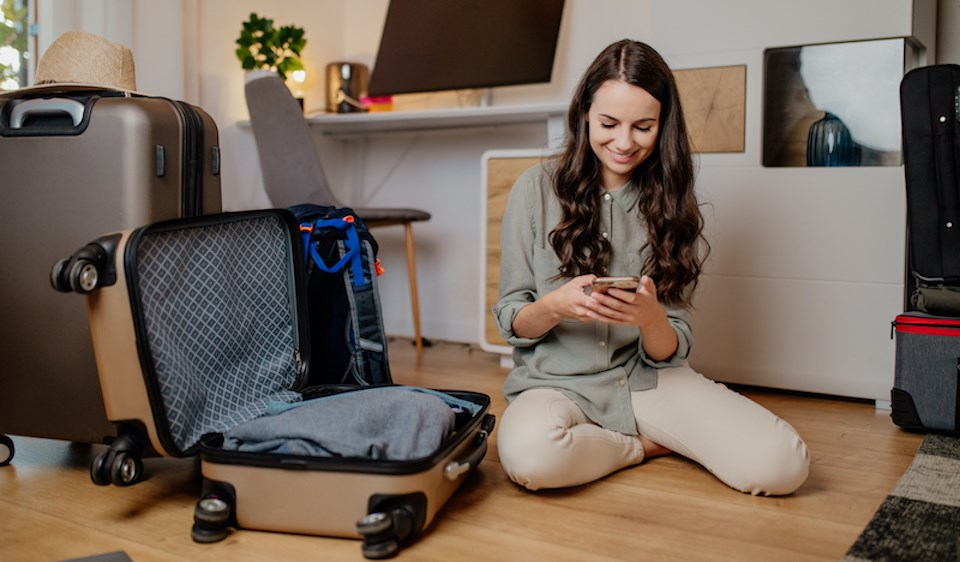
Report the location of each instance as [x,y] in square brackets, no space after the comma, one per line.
[358,127]
[404,121]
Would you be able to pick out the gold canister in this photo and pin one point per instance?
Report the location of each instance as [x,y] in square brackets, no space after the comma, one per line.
[346,86]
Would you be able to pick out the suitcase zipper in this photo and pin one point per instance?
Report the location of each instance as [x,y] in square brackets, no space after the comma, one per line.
[192,160]
[925,326]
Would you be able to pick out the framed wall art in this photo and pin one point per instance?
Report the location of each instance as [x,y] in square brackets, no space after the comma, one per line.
[835,104]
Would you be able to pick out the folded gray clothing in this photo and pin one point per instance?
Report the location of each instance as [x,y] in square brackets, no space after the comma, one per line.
[389,423]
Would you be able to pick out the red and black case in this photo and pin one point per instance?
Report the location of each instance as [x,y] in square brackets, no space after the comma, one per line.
[926,386]
[926,390]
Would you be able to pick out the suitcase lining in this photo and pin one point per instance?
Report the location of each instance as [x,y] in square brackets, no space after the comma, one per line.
[219,323]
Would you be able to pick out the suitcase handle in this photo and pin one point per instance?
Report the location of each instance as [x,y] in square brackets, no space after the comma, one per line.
[456,469]
[46,106]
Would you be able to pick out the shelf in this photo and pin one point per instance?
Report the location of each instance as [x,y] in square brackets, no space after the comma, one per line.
[402,121]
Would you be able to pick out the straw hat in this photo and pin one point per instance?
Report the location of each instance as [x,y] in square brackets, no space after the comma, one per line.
[78,58]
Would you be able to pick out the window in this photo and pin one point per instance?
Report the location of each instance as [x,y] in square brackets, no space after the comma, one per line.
[14,44]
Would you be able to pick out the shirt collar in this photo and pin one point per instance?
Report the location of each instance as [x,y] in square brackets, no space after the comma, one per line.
[626,196]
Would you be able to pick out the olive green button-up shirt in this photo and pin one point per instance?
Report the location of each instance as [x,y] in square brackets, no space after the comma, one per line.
[596,365]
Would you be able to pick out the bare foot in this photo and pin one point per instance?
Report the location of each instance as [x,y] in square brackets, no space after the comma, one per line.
[651,449]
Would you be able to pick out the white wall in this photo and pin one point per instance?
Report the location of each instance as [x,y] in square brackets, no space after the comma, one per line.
[948,36]
[807,264]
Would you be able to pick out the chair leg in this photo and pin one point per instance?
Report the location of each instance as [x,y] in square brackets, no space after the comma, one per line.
[414,300]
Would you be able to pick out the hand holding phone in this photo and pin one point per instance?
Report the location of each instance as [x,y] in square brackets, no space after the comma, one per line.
[627,283]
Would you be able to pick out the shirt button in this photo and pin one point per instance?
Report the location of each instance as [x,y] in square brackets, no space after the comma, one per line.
[606,197]
[622,382]
[603,343]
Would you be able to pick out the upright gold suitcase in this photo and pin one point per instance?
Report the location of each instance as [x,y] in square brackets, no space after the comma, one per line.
[77,162]
[199,330]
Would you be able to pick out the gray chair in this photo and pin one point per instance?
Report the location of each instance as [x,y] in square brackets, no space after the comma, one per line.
[293,173]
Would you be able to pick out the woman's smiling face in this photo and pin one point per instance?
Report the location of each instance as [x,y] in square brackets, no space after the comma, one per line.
[623,124]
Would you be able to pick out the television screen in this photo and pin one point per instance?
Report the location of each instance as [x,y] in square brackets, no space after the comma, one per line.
[432,45]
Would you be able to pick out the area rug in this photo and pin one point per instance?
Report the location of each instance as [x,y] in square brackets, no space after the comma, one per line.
[920,520]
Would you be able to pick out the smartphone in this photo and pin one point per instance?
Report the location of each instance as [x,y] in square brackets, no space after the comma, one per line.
[627,283]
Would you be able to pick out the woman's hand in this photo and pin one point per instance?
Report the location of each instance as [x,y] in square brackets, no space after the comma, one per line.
[641,309]
[570,301]
[567,302]
[632,308]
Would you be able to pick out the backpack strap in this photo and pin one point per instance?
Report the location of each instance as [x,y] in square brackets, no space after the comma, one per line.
[370,347]
[352,253]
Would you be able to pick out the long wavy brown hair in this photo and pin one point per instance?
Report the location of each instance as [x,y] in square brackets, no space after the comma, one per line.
[668,204]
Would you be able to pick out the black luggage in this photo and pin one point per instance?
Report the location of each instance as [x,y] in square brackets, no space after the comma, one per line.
[77,162]
[926,391]
[202,339]
[930,111]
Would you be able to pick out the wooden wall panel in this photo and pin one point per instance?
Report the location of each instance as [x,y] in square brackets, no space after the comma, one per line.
[714,105]
[502,173]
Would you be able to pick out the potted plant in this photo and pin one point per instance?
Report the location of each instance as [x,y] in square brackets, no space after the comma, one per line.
[262,46]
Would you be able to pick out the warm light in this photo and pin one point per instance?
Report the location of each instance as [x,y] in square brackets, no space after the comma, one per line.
[295,83]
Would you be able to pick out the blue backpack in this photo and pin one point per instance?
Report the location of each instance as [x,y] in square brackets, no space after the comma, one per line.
[347,341]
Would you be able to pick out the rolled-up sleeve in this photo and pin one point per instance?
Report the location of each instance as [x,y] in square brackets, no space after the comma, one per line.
[518,286]
[678,318]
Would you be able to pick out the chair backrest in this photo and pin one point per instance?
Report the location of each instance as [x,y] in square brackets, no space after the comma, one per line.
[291,167]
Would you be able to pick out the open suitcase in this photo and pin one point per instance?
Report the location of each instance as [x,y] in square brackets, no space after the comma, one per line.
[926,391]
[199,328]
[78,162]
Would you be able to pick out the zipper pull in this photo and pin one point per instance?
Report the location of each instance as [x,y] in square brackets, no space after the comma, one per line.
[893,328]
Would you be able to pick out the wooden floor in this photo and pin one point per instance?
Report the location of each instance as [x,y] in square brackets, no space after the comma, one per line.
[665,509]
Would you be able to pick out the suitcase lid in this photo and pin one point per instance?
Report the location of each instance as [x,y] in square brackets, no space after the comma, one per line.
[219,314]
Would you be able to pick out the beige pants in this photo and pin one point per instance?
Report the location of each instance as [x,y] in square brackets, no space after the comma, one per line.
[545,440]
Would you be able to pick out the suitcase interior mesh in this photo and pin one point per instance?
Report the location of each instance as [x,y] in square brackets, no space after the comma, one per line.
[218,311]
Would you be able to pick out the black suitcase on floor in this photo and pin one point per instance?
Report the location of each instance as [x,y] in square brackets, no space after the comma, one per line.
[926,391]
[930,111]
[77,162]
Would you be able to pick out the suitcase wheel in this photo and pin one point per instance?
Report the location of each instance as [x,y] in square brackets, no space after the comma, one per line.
[125,469]
[382,532]
[58,276]
[98,471]
[6,450]
[83,276]
[210,519]
[120,465]
[380,550]
[80,273]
